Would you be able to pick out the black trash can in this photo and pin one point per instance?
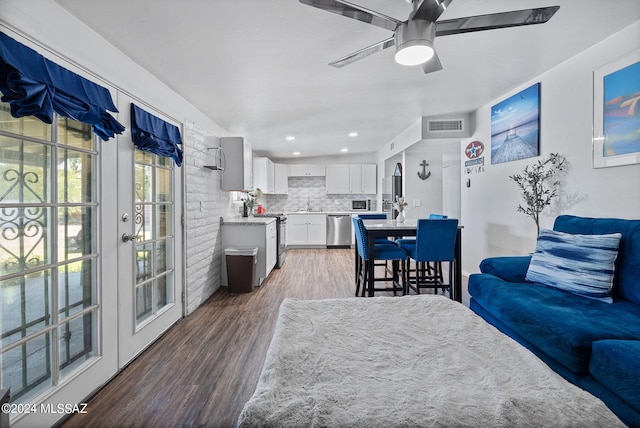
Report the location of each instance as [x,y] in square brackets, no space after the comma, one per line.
[241,269]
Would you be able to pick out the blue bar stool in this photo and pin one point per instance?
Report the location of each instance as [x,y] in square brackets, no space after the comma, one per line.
[378,216]
[392,252]
[435,242]
[431,268]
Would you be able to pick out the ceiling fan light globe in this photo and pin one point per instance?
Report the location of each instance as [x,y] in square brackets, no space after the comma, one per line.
[414,42]
[414,55]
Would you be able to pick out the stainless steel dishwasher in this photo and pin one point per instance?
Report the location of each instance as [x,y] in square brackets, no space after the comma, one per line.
[338,230]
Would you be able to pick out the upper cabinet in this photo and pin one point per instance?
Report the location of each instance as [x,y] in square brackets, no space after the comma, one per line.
[306,170]
[355,179]
[338,179]
[271,178]
[238,173]
[369,179]
[264,175]
[281,173]
[363,179]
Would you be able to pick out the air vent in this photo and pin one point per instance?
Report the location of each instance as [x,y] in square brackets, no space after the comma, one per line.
[445,125]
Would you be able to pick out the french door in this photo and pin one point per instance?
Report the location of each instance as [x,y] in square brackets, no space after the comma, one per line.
[56,346]
[84,288]
[150,244]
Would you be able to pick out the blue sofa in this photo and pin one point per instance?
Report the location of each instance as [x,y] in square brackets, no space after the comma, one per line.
[593,344]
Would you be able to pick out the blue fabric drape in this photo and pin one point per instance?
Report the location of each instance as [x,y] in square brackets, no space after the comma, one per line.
[36,86]
[152,134]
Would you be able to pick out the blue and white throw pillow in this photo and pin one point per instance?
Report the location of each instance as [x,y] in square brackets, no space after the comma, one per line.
[580,264]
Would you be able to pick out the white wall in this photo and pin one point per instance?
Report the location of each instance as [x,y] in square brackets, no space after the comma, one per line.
[429,192]
[394,152]
[205,203]
[492,226]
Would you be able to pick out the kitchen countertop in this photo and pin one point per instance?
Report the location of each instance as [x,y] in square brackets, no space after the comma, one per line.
[248,221]
[335,212]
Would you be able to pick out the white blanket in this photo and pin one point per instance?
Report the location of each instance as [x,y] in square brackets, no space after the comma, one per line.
[422,361]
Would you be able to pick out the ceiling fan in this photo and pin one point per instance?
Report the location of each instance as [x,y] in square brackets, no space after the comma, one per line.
[413,38]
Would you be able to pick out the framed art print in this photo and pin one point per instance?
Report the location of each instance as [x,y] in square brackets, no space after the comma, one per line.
[616,112]
[515,126]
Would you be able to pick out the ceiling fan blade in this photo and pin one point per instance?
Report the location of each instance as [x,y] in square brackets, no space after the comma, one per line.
[495,20]
[430,10]
[353,11]
[358,55]
[432,65]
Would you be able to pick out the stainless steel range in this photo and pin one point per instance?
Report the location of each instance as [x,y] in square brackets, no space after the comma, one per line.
[281,227]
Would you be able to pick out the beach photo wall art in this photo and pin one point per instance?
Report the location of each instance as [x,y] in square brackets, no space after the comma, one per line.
[616,112]
[515,126]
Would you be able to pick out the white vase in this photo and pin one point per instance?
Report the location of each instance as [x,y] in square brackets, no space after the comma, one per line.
[400,218]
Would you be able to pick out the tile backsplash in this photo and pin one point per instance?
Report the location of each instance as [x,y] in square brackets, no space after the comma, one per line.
[311,192]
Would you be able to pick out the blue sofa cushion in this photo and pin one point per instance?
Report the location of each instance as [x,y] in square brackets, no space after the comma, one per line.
[512,269]
[616,365]
[580,264]
[562,325]
[626,283]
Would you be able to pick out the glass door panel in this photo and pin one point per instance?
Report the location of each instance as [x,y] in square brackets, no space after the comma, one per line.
[48,281]
[154,229]
[149,256]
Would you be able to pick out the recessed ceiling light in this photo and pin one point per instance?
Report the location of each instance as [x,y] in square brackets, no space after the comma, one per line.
[344,150]
[353,134]
[296,153]
[290,138]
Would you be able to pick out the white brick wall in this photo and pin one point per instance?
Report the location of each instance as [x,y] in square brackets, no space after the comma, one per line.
[205,204]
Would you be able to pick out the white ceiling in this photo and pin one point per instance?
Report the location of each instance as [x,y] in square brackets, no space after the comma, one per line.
[259,68]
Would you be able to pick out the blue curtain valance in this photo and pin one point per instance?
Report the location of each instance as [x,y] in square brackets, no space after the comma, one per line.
[36,86]
[152,134]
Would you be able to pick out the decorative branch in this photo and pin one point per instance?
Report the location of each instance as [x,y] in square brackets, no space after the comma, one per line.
[399,204]
[538,186]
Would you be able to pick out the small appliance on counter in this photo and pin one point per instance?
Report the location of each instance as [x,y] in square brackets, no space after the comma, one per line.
[361,205]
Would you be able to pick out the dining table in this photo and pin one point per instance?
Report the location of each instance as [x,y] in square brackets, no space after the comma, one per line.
[392,228]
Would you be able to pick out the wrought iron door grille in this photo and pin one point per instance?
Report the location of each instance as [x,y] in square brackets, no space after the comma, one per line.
[48,262]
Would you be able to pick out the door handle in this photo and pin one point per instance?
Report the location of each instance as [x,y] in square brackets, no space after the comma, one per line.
[126,237]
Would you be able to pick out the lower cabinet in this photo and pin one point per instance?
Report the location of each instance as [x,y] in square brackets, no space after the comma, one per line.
[255,235]
[306,229]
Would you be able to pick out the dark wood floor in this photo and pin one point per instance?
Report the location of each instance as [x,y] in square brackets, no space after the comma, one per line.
[203,370]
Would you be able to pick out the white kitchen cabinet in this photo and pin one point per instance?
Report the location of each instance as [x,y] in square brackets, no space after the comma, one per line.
[362,179]
[369,180]
[238,172]
[271,250]
[317,229]
[281,174]
[260,234]
[299,170]
[337,179]
[356,179]
[264,175]
[296,230]
[305,229]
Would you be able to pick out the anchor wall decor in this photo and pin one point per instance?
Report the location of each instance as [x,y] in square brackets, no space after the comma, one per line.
[424,174]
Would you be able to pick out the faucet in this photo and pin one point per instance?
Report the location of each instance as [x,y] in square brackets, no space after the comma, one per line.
[309,205]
